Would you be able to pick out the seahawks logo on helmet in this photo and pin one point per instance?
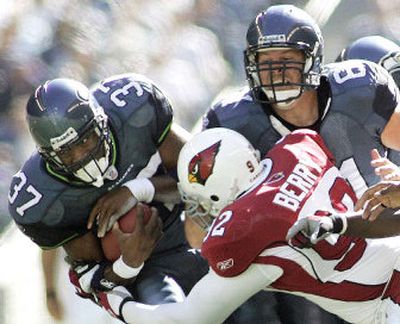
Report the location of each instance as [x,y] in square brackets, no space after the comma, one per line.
[267,39]
[202,164]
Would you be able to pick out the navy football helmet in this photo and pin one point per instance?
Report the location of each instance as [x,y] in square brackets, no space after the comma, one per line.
[61,113]
[283,27]
[376,49]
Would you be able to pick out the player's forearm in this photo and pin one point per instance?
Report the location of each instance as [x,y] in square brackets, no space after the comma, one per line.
[211,300]
[48,265]
[386,225]
[166,190]
[161,188]
[85,248]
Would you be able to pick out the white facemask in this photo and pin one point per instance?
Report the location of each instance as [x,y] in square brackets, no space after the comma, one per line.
[97,171]
[283,95]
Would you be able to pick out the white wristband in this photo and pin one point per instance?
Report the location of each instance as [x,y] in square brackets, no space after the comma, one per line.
[121,269]
[142,188]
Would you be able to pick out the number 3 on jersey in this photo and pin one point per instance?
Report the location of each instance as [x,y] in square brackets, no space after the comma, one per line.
[117,96]
[12,195]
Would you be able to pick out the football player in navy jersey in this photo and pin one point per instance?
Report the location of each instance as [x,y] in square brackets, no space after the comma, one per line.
[354,105]
[289,89]
[101,152]
[386,53]
[376,49]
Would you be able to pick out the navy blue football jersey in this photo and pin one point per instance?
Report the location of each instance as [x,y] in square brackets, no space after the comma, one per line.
[358,99]
[51,210]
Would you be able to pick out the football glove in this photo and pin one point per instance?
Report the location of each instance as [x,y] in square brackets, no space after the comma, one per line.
[308,231]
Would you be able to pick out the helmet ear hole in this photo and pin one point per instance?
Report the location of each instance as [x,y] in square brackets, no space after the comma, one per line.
[214,198]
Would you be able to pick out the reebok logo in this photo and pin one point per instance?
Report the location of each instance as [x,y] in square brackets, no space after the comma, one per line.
[225,265]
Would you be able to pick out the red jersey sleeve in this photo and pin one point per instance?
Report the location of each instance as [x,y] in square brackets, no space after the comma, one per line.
[238,236]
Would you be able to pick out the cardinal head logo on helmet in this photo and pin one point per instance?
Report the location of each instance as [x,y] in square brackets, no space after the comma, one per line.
[202,164]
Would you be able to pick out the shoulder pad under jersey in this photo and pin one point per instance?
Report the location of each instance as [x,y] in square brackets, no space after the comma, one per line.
[240,113]
[232,107]
[132,99]
[48,211]
[360,87]
[32,191]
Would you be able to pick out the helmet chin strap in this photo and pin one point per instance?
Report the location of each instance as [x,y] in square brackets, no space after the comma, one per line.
[284,97]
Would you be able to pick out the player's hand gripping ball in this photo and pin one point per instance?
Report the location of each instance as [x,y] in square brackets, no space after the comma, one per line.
[127,223]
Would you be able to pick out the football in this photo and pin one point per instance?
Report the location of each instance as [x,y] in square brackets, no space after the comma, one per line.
[127,223]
